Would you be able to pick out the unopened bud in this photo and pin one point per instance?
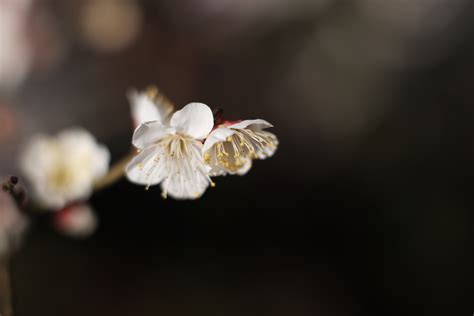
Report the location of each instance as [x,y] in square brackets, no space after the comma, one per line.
[77,221]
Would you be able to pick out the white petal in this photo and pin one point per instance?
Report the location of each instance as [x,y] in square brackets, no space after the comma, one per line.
[187,176]
[147,108]
[33,159]
[195,120]
[79,149]
[251,124]
[149,133]
[101,160]
[268,151]
[186,190]
[245,168]
[143,109]
[74,136]
[146,168]
[217,135]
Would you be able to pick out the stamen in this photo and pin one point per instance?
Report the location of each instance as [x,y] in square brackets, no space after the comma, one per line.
[245,144]
[180,161]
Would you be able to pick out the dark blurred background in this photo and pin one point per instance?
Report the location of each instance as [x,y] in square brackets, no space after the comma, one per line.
[366,209]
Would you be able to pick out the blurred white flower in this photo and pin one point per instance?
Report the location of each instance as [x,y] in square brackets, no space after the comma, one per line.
[77,221]
[230,148]
[149,105]
[62,169]
[171,154]
[15,52]
[12,223]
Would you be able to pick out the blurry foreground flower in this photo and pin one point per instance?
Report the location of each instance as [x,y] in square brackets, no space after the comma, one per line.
[149,105]
[171,153]
[12,223]
[63,169]
[230,148]
[15,53]
[77,221]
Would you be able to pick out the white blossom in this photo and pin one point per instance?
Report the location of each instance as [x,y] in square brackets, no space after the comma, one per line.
[62,169]
[231,147]
[171,153]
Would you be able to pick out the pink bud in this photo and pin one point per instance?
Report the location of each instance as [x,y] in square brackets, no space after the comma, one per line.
[77,221]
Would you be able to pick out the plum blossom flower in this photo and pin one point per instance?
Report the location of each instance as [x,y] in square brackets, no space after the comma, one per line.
[63,168]
[171,153]
[231,147]
[149,105]
[77,221]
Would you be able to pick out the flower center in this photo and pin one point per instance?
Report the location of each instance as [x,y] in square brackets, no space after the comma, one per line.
[60,178]
[176,146]
[180,160]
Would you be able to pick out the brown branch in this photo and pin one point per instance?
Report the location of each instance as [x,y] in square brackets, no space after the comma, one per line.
[5,288]
[116,172]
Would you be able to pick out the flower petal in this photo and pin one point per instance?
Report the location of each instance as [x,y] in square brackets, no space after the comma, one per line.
[81,147]
[149,106]
[217,135]
[187,178]
[194,120]
[251,124]
[149,133]
[270,148]
[245,168]
[186,190]
[145,168]
[143,109]
[33,160]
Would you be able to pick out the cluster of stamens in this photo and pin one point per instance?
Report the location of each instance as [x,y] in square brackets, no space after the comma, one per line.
[243,145]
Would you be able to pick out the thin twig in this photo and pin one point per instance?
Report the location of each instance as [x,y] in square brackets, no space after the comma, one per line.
[116,172]
[5,288]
